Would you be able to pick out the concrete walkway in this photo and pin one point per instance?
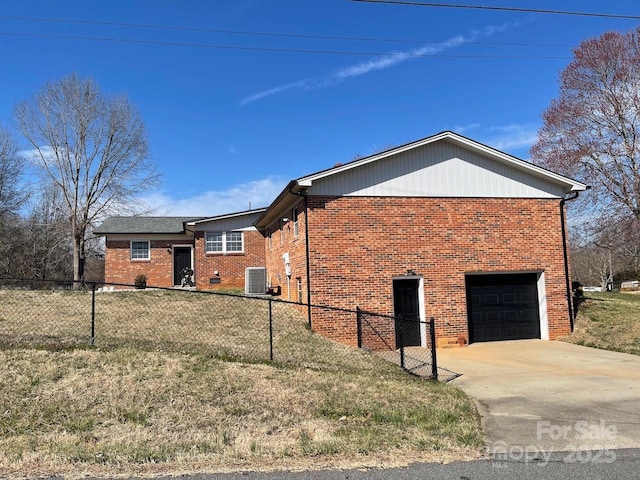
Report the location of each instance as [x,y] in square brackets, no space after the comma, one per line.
[536,395]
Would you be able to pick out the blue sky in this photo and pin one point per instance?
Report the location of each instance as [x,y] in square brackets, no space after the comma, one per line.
[240,96]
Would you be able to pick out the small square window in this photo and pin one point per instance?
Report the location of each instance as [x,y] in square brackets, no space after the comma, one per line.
[140,251]
[213,241]
[234,241]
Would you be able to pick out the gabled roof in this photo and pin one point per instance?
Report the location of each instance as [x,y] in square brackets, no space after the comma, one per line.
[497,155]
[162,225]
[290,195]
[133,225]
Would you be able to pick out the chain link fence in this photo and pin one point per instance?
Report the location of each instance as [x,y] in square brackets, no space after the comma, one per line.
[408,342]
[54,315]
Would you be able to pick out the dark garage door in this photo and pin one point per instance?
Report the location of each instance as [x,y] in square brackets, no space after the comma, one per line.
[502,307]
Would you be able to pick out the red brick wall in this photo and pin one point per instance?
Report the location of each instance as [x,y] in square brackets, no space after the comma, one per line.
[357,245]
[230,266]
[283,241]
[119,268]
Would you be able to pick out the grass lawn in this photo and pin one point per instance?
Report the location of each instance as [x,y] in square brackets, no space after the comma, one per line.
[152,409]
[610,321]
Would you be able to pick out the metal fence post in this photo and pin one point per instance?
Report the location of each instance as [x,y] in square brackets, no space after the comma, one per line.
[93,314]
[434,360]
[359,326]
[270,331]
[401,335]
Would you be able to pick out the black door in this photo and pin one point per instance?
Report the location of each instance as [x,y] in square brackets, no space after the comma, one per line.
[181,259]
[502,307]
[406,311]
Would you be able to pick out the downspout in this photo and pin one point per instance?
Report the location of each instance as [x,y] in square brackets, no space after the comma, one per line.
[566,255]
[306,240]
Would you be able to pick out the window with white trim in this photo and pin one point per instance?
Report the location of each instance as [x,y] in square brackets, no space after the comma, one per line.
[282,231]
[299,288]
[140,250]
[224,242]
[294,218]
[233,242]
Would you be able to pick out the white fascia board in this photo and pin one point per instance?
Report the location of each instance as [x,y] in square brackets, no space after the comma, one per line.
[226,216]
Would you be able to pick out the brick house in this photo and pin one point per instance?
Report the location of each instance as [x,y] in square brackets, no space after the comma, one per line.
[443,227]
[217,249]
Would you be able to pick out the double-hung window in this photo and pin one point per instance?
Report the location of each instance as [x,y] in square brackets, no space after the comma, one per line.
[214,242]
[224,242]
[140,251]
[233,242]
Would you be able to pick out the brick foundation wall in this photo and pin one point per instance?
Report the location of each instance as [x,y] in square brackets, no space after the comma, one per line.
[230,266]
[358,244]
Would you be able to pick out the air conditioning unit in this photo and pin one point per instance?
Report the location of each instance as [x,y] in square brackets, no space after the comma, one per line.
[255,281]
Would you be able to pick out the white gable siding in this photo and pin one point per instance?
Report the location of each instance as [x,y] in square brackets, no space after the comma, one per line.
[440,169]
[244,222]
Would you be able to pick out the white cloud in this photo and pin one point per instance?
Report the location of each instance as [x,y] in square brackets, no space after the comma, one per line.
[513,137]
[461,129]
[35,155]
[378,63]
[516,139]
[260,193]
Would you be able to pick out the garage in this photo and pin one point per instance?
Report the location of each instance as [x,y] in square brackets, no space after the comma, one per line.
[503,307]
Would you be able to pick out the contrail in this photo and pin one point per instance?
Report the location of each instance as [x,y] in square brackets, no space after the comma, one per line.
[378,63]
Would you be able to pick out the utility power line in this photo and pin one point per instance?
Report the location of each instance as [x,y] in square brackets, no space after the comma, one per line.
[271,49]
[252,33]
[502,9]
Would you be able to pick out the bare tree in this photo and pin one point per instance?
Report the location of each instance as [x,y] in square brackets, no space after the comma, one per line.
[592,130]
[592,265]
[48,244]
[92,147]
[605,252]
[13,195]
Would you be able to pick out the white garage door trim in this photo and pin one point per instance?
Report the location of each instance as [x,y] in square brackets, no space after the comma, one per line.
[542,296]
[542,303]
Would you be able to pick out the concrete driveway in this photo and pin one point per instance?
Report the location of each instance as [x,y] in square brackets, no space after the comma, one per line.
[537,395]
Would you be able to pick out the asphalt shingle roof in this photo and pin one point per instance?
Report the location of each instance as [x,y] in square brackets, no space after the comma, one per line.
[142,225]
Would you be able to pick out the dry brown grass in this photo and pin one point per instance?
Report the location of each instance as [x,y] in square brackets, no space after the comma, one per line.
[610,321]
[124,410]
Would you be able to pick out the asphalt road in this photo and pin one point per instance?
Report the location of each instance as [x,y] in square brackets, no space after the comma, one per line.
[585,465]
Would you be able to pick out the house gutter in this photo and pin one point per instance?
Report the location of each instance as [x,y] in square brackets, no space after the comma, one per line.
[306,240]
[566,255]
